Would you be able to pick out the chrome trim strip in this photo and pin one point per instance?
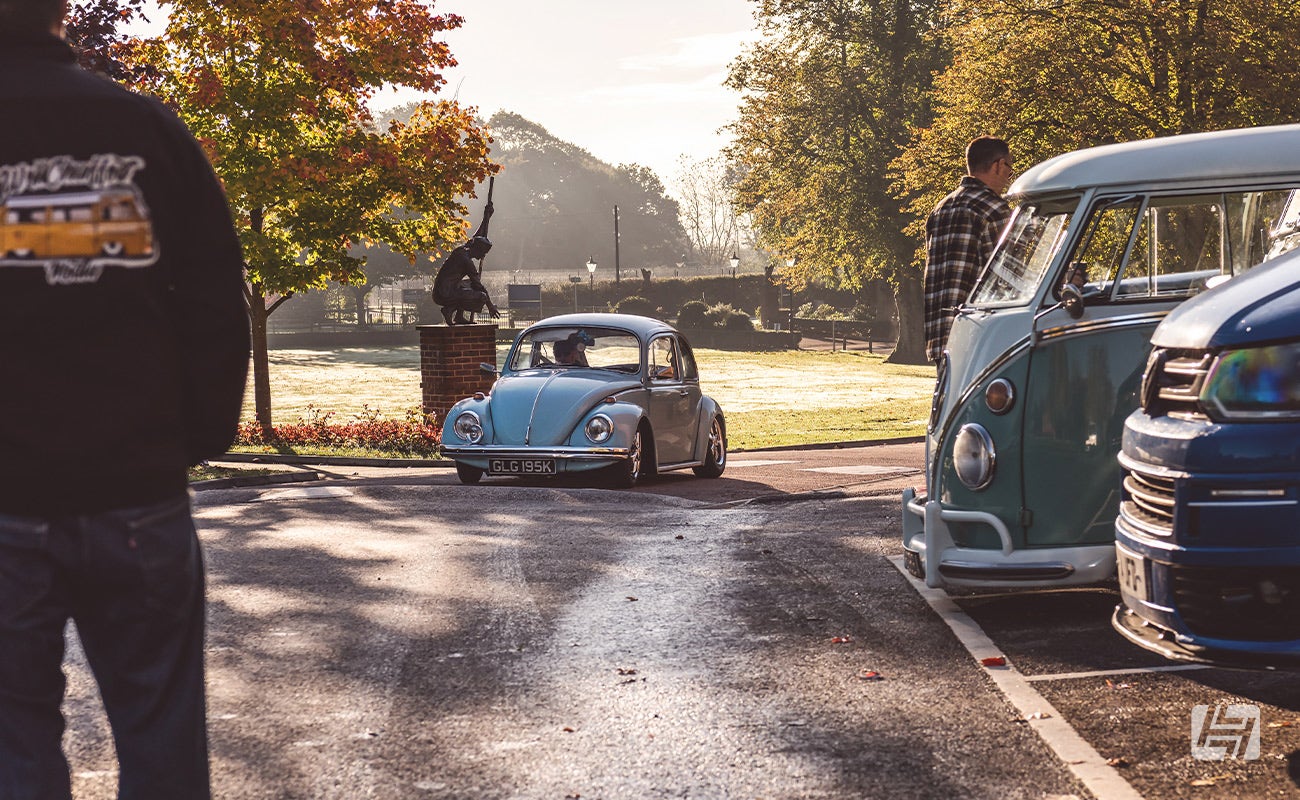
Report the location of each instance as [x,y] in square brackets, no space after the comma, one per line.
[563,453]
[532,414]
[1243,503]
[1091,326]
[1133,465]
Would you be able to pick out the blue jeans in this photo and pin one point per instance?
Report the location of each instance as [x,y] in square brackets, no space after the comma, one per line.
[132,580]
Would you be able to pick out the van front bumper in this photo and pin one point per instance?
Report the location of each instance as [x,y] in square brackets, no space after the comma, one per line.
[932,555]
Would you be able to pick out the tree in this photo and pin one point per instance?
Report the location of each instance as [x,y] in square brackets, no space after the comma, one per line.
[92,28]
[1134,69]
[832,93]
[383,268]
[555,203]
[278,94]
[707,188]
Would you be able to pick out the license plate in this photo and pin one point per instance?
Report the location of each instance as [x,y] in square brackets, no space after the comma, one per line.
[521,466]
[1132,572]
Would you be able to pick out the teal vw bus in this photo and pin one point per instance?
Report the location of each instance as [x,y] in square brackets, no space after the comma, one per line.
[1045,360]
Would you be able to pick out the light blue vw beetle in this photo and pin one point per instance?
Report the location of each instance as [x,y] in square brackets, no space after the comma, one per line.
[581,392]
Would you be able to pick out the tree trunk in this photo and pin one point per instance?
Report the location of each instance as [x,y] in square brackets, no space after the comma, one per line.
[911,320]
[258,314]
[359,302]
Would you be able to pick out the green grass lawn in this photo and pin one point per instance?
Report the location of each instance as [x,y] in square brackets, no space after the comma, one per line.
[773,398]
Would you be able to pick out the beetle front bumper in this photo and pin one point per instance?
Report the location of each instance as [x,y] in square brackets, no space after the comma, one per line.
[565,458]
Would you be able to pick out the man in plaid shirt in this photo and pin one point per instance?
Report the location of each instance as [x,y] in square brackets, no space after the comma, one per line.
[960,234]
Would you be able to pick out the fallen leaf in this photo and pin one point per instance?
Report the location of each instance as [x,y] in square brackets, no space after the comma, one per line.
[1113,685]
[623,671]
[994,661]
[567,729]
[841,640]
[679,536]
[631,599]
[1209,781]
[1117,762]
[1038,715]
[870,675]
[1287,724]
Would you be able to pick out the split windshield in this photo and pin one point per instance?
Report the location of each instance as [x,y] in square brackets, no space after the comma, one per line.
[1034,235]
[569,347]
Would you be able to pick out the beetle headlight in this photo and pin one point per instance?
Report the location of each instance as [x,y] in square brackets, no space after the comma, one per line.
[973,456]
[468,427]
[1255,383]
[599,428]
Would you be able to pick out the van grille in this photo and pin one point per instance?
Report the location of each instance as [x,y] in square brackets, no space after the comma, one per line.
[1243,603]
[1148,502]
[1172,382]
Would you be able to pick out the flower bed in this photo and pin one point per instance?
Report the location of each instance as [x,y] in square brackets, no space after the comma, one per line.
[413,436]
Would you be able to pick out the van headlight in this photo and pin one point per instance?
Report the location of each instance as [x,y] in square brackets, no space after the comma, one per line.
[468,427]
[1257,383]
[973,456]
[599,428]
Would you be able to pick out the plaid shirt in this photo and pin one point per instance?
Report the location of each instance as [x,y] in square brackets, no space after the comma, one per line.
[959,237]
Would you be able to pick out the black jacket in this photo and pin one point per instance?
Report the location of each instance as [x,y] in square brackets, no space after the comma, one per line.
[123,326]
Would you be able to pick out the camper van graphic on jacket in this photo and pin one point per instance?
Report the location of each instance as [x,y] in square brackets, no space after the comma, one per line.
[74,218]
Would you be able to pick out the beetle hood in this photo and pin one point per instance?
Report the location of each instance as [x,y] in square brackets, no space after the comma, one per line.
[1258,307]
[551,401]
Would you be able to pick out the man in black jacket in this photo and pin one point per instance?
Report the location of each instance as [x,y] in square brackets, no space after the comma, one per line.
[123,355]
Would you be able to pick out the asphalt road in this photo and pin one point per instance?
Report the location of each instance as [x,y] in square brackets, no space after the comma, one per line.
[392,634]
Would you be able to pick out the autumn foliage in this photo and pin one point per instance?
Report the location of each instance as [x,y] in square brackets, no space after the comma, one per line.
[279,95]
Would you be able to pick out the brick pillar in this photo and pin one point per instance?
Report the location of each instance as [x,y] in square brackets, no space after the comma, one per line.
[449,359]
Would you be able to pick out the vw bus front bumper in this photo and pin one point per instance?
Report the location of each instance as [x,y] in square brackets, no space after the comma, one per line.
[931,554]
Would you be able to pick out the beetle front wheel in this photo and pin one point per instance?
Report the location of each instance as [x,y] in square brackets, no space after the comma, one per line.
[715,456]
[626,473]
[469,475]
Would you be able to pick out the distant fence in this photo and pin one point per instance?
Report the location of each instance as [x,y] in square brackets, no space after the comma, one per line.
[841,330]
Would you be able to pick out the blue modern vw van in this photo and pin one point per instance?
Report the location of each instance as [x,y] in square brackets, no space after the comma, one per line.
[1208,532]
[1045,360]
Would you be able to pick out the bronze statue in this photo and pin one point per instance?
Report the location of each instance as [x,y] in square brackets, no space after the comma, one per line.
[457,287]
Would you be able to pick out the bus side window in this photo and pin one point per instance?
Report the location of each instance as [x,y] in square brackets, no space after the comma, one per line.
[1181,243]
[1102,250]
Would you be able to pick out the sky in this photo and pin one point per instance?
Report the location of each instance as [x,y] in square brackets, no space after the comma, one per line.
[630,82]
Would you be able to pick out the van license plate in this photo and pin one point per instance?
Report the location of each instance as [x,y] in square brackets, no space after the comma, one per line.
[521,466]
[1132,571]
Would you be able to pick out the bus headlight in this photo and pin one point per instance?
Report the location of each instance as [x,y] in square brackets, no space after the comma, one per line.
[468,427]
[599,428]
[973,456]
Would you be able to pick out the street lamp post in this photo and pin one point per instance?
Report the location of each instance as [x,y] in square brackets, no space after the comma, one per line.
[735,262]
[591,270]
[575,280]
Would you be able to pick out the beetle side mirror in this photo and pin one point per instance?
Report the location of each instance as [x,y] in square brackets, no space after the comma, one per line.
[488,368]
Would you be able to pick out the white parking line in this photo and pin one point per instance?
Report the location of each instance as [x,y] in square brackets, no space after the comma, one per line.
[1082,759]
[1102,673]
[864,469]
[756,463]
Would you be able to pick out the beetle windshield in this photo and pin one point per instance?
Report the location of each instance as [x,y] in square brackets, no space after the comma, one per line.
[562,348]
[1033,237]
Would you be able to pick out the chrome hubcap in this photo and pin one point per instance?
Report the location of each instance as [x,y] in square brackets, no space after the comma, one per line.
[634,455]
[716,448]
